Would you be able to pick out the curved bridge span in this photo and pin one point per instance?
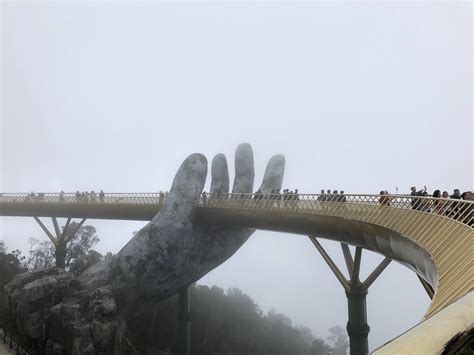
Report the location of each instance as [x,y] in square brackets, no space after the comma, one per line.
[433,237]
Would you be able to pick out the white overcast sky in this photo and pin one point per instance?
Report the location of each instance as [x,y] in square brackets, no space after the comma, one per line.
[357,96]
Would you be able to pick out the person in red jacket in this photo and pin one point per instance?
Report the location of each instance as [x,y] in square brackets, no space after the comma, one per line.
[384,200]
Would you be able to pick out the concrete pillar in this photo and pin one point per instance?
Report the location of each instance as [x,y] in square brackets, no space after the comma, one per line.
[184,340]
[357,327]
[60,253]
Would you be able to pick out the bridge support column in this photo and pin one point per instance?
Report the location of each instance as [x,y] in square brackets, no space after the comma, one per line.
[184,337]
[356,292]
[357,326]
[60,253]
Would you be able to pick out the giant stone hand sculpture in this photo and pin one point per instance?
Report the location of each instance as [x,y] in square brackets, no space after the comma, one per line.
[167,254]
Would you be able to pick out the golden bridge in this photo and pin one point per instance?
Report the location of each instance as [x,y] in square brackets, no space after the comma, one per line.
[434,237]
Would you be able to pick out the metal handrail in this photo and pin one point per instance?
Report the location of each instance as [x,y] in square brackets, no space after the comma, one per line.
[15,345]
[347,205]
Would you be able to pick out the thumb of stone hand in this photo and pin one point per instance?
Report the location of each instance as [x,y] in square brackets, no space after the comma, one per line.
[184,194]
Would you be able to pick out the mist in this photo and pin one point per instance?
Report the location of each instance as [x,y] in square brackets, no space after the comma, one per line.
[359,97]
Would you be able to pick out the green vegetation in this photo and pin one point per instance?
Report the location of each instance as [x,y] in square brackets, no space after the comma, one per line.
[229,323]
[79,251]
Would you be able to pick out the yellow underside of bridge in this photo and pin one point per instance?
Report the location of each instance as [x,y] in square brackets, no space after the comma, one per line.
[450,244]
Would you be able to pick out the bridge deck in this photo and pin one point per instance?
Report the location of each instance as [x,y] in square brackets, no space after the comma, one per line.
[434,237]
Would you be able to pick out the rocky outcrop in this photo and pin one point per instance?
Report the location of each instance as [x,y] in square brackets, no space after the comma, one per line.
[30,297]
[51,307]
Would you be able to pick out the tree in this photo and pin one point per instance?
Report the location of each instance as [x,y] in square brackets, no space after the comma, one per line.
[74,251]
[40,255]
[10,265]
[79,252]
[319,347]
[340,341]
[223,323]
[83,261]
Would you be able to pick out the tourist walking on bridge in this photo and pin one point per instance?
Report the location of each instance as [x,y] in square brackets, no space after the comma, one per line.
[456,195]
[321,198]
[437,204]
[425,204]
[469,196]
[342,197]
[453,209]
[384,200]
[441,206]
[415,202]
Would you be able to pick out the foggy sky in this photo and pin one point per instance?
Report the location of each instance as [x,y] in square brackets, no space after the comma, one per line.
[358,96]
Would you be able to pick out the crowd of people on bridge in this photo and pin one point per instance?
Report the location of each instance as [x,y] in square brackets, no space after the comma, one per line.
[438,203]
[86,196]
[35,197]
[441,203]
[335,196]
[277,195]
[446,205]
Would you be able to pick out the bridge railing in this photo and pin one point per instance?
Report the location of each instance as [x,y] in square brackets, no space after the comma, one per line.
[15,345]
[347,206]
[109,198]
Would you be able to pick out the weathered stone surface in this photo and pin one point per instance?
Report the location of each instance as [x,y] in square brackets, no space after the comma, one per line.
[244,169]
[88,315]
[39,289]
[220,175]
[31,296]
[273,178]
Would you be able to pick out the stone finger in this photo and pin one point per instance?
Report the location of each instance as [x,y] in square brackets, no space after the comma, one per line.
[274,172]
[186,189]
[220,175]
[244,169]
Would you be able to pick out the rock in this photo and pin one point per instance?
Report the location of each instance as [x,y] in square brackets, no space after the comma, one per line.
[63,318]
[31,295]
